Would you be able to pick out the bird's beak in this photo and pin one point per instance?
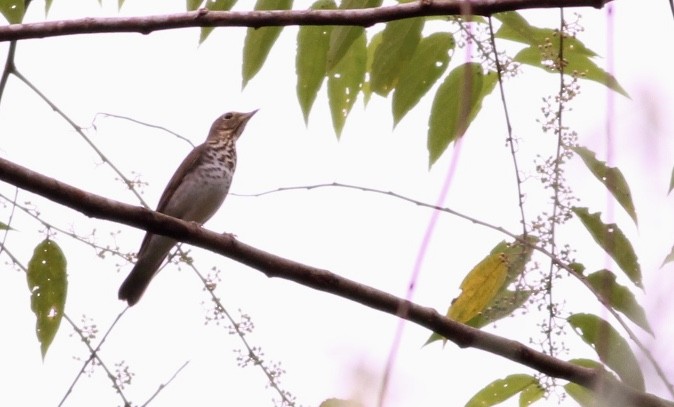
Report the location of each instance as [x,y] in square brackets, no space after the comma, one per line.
[248,115]
[244,118]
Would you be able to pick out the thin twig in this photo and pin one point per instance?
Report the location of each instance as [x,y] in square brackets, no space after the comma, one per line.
[553,258]
[556,185]
[464,27]
[163,386]
[142,123]
[251,352]
[9,68]
[94,355]
[9,221]
[416,273]
[389,193]
[511,142]
[79,131]
[73,235]
[323,280]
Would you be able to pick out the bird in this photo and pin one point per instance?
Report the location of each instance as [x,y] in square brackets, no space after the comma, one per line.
[194,193]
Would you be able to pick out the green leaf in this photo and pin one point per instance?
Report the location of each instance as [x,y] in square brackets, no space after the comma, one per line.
[501,390]
[588,363]
[577,267]
[193,4]
[516,28]
[612,179]
[577,64]
[517,255]
[611,348]
[48,285]
[342,37]
[213,5]
[671,183]
[586,397]
[484,296]
[400,40]
[531,394]
[544,48]
[371,49]
[435,337]
[583,67]
[345,80]
[581,395]
[312,50]
[13,10]
[479,288]
[4,226]
[259,41]
[429,61]
[613,241]
[457,102]
[669,258]
[503,305]
[340,403]
[47,6]
[618,297]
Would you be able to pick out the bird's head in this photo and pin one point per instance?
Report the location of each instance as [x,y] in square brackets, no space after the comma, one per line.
[229,125]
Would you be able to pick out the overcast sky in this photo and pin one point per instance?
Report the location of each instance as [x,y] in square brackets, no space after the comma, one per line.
[329,346]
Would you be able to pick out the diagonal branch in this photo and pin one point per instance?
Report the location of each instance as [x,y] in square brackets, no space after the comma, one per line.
[9,67]
[323,280]
[205,18]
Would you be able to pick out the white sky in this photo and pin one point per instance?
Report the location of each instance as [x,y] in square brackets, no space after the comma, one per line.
[322,341]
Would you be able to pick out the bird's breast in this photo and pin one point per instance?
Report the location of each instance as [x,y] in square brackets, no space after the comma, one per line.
[204,189]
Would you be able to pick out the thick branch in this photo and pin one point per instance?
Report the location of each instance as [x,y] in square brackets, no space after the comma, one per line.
[323,280]
[204,17]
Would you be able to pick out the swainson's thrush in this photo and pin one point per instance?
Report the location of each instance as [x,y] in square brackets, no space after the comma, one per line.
[194,193]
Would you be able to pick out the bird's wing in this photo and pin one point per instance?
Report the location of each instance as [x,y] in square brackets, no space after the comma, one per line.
[187,166]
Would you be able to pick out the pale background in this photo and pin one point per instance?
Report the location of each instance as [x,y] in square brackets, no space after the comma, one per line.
[329,346]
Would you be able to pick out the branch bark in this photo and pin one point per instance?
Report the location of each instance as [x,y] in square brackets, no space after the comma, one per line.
[205,18]
[275,266]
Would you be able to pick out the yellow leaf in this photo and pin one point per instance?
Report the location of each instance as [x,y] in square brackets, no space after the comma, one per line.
[479,288]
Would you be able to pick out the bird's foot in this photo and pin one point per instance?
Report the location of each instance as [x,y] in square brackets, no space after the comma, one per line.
[231,235]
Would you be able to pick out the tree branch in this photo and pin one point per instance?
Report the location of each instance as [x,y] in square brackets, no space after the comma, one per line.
[323,280]
[205,18]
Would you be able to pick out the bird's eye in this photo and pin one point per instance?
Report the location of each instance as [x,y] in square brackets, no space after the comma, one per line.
[228,116]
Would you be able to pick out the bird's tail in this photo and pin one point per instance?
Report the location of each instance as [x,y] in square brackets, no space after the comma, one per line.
[136,283]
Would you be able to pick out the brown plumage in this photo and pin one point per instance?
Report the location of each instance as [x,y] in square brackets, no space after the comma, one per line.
[194,193]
